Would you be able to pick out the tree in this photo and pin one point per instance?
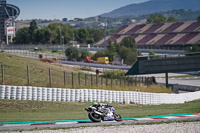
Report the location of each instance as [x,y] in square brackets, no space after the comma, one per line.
[72,53]
[22,36]
[64,19]
[198,18]
[128,50]
[128,55]
[96,34]
[99,53]
[82,35]
[156,18]
[171,19]
[84,53]
[33,27]
[129,42]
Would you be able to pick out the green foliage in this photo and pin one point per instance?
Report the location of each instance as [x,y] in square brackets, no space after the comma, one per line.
[171,19]
[128,50]
[54,32]
[129,42]
[114,74]
[72,53]
[100,53]
[54,51]
[22,36]
[198,18]
[84,53]
[194,48]
[128,55]
[82,35]
[151,53]
[112,50]
[96,34]
[156,18]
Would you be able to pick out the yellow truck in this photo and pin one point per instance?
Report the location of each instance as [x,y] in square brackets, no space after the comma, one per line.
[102,60]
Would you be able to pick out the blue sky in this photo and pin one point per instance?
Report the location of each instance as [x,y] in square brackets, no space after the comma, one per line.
[58,9]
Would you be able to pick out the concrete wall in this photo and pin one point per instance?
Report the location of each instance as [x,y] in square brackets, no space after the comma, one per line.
[89,95]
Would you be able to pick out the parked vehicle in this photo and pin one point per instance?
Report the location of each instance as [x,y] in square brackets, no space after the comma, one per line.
[102,112]
[89,60]
[102,60]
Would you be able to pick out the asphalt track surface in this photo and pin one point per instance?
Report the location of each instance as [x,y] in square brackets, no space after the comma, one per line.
[107,66]
[87,123]
[189,82]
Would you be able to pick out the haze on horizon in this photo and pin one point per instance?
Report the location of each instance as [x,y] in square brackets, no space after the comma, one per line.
[58,9]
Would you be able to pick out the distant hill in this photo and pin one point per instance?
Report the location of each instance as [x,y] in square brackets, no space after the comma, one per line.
[153,6]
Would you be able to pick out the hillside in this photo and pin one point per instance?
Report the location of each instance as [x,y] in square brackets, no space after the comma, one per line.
[153,6]
[15,73]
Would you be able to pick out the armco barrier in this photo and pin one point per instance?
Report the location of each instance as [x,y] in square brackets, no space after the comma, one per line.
[89,95]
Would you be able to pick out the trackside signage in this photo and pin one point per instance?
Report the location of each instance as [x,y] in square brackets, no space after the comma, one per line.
[10,30]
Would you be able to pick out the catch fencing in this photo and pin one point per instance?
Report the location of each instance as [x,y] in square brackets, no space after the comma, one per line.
[32,75]
[89,95]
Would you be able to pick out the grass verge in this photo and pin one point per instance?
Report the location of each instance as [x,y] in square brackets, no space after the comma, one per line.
[16,74]
[21,111]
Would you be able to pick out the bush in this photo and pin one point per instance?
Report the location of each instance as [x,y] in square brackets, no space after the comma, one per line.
[54,51]
[114,74]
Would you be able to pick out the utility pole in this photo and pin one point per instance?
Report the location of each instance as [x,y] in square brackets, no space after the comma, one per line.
[105,29]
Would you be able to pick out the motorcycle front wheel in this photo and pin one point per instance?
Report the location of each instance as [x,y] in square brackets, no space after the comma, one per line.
[117,116]
[94,117]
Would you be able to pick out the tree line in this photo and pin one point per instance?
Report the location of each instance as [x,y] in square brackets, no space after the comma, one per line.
[57,33]
[126,50]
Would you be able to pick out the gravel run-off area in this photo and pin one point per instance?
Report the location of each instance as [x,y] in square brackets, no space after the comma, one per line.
[186,127]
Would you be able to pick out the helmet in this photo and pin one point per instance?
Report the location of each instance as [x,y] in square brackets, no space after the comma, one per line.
[94,103]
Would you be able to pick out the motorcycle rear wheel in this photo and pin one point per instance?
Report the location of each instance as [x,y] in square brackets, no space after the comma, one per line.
[117,116]
[94,117]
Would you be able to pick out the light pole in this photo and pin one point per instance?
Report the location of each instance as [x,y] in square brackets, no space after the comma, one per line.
[105,28]
[60,36]
[63,42]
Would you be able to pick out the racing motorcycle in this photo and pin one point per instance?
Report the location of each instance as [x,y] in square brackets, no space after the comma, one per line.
[102,113]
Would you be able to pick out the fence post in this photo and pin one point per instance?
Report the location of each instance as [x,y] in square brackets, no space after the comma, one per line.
[28,76]
[96,79]
[101,80]
[50,77]
[64,78]
[72,80]
[131,81]
[85,79]
[91,80]
[120,81]
[124,81]
[111,81]
[136,81]
[128,81]
[79,79]
[106,80]
[2,73]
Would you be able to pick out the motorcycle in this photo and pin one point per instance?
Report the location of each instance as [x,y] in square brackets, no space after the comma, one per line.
[102,113]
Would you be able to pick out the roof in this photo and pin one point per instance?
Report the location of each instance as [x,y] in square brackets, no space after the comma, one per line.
[178,33]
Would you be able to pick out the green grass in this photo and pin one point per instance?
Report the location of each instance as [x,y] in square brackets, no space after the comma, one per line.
[20,111]
[16,74]
[185,76]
